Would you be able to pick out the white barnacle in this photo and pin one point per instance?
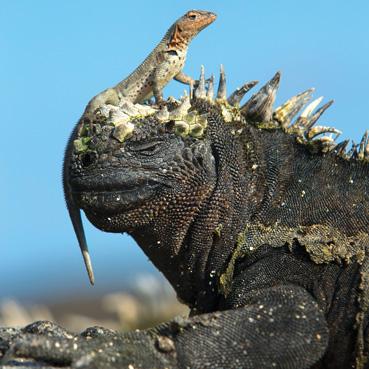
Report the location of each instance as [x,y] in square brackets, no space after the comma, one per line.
[181,111]
[163,114]
[117,117]
[182,128]
[226,113]
[196,130]
[128,107]
[191,117]
[202,120]
[123,131]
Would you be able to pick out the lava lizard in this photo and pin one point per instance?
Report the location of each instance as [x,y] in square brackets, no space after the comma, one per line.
[163,64]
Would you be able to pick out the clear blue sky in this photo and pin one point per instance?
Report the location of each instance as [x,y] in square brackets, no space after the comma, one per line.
[56,55]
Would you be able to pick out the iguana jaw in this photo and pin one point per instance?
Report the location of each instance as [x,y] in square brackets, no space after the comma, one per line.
[114,202]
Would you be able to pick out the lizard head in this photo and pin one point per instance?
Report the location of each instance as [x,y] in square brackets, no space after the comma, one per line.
[190,24]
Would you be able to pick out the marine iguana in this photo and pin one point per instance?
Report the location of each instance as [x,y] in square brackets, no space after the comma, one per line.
[163,64]
[260,223]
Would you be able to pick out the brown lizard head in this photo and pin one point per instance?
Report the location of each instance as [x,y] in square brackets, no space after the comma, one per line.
[188,26]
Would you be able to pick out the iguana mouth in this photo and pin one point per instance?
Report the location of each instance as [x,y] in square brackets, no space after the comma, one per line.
[114,201]
[112,182]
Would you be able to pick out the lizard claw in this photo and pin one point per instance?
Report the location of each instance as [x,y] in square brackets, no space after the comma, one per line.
[192,88]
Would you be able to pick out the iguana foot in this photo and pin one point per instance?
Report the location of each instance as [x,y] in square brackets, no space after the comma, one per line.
[95,348]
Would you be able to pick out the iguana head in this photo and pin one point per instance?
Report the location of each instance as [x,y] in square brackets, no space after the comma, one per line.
[124,173]
[185,179]
[128,165]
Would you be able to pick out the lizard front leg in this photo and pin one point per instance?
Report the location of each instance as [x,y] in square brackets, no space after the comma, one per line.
[187,80]
[184,78]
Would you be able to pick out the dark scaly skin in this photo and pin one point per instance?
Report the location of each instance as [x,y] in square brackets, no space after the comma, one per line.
[163,64]
[231,219]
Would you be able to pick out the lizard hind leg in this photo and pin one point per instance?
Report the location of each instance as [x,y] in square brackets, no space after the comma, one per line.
[158,93]
[108,96]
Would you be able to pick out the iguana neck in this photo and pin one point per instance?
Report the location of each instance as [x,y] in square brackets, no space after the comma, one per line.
[193,251]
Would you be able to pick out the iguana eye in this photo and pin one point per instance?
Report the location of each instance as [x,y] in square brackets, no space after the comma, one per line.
[147,148]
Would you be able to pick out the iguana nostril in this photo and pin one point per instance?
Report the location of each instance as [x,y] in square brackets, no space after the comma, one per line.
[88,159]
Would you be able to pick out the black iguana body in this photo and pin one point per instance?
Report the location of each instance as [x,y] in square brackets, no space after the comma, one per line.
[260,225]
[261,228]
[163,64]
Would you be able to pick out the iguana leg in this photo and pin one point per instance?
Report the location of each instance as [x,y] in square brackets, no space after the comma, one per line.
[280,327]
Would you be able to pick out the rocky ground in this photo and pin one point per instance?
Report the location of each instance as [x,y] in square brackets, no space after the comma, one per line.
[151,303]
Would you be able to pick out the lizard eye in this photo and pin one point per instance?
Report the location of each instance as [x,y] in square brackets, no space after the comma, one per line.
[192,16]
